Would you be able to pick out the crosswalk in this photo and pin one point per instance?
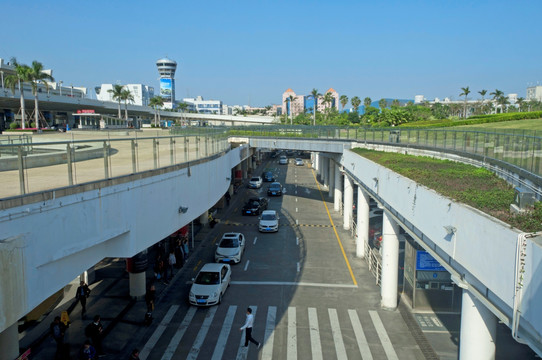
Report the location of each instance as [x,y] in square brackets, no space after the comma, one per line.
[291,333]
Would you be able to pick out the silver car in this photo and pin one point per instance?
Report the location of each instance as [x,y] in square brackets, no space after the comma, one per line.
[269,221]
[283,160]
[230,248]
[299,162]
[210,284]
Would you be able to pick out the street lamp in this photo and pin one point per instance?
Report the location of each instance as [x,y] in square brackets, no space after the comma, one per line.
[60,82]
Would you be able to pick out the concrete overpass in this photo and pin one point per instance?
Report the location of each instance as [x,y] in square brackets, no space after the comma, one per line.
[49,237]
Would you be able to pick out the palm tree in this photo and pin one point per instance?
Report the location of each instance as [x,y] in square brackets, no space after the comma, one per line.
[367,102]
[503,101]
[126,95]
[382,103]
[117,94]
[344,100]
[356,102]
[496,94]
[290,99]
[37,75]
[22,74]
[328,99]
[315,94]
[520,102]
[182,106]
[156,102]
[395,103]
[465,92]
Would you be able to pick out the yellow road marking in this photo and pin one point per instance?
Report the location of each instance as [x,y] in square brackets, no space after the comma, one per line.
[335,230]
[195,267]
[214,241]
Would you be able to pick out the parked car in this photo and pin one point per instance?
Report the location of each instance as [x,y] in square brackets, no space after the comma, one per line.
[269,221]
[299,162]
[255,206]
[275,189]
[283,160]
[230,248]
[255,182]
[268,176]
[210,284]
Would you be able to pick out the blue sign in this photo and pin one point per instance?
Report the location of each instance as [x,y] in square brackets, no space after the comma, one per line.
[166,89]
[424,261]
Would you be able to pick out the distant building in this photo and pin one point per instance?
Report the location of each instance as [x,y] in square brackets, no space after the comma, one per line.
[201,106]
[534,93]
[305,103]
[418,99]
[167,68]
[142,93]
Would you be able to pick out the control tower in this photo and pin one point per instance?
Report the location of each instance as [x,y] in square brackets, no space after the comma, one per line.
[166,68]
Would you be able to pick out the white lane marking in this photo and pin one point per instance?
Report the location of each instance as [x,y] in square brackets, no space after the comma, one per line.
[383,335]
[243,351]
[293,283]
[360,336]
[296,222]
[316,346]
[151,343]
[298,266]
[224,333]
[194,351]
[176,339]
[295,199]
[295,209]
[246,265]
[337,336]
[291,351]
[269,337]
[297,241]
[256,238]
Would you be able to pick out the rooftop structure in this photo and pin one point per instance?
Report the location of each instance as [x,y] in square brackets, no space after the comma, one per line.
[166,69]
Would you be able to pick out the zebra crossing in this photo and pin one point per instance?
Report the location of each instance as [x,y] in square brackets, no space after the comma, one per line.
[295,331]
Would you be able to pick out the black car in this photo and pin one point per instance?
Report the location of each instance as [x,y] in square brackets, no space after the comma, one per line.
[255,206]
[267,176]
[275,189]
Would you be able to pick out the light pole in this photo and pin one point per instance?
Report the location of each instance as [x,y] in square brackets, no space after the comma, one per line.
[2,75]
[60,82]
[71,91]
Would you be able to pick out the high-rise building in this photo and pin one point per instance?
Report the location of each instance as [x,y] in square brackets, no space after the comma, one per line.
[534,93]
[167,68]
[306,103]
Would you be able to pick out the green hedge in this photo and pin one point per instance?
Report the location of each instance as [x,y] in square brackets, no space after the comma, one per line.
[474,120]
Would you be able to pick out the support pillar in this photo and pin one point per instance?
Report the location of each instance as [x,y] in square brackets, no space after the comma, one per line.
[338,193]
[331,176]
[317,163]
[362,222]
[478,329]
[348,202]
[390,262]
[9,343]
[204,218]
[138,283]
[325,170]
[244,166]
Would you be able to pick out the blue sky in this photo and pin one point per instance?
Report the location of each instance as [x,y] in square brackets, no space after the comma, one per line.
[241,51]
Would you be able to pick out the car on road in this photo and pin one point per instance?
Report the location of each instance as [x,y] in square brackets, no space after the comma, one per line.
[255,206]
[210,284]
[268,176]
[283,160]
[269,221]
[231,247]
[299,162]
[275,189]
[255,182]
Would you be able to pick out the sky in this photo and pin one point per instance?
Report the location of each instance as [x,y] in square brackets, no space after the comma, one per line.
[250,52]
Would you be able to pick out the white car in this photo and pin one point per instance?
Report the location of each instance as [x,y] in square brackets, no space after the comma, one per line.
[230,248]
[269,221]
[255,182]
[283,160]
[210,284]
[298,162]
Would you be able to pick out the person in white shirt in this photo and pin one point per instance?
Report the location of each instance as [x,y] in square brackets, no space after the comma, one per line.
[248,327]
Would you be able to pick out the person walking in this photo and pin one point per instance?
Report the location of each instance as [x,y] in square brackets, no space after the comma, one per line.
[88,352]
[186,251]
[248,329]
[171,264]
[58,330]
[94,331]
[134,355]
[81,295]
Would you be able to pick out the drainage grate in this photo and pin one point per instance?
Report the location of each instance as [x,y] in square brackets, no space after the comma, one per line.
[425,347]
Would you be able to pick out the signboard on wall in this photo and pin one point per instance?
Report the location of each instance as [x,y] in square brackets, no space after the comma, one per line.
[424,261]
[166,89]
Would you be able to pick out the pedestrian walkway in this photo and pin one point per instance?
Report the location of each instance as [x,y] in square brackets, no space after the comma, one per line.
[348,330]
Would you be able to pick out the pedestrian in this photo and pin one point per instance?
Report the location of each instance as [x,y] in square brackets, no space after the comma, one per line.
[171,263]
[159,268]
[228,198]
[82,294]
[179,257]
[88,352]
[58,330]
[185,247]
[248,329]
[135,355]
[149,298]
[94,331]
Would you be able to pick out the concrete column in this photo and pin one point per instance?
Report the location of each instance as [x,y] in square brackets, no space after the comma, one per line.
[338,194]
[138,283]
[317,162]
[362,222]
[204,218]
[331,176]
[84,277]
[325,170]
[478,329]
[9,343]
[390,262]
[348,202]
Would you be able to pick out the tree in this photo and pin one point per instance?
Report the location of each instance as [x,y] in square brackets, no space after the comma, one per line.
[483,93]
[290,99]
[356,102]
[22,74]
[367,102]
[37,75]
[156,102]
[182,107]
[126,95]
[117,94]
[382,104]
[328,100]
[465,92]
[344,100]
[315,94]
[496,94]
[503,101]
[395,103]
[520,102]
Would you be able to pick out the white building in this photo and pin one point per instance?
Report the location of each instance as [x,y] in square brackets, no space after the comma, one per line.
[202,106]
[142,93]
[534,93]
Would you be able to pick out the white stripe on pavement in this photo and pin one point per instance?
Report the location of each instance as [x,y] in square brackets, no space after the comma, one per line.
[337,336]
[256,238]
[291,350]
[360,336]
[158,332]
[243,351]
[293,283]
[176,339]
[383,335]
[269,337]
[224,333]
[246,265]
[316,346]
[298,268]
[194,351]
